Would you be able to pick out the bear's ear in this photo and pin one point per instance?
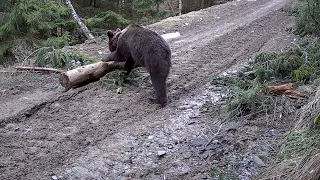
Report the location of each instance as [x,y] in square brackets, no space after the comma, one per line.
[110,34]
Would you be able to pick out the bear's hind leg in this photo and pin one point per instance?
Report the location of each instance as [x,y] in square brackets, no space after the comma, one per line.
[159,84]
[129,65]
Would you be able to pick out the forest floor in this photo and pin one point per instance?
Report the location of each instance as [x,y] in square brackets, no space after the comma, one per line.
[94,133]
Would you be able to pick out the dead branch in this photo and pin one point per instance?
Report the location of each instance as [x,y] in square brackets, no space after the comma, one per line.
[274,90]
[285,89]
[295,94]
[38,69]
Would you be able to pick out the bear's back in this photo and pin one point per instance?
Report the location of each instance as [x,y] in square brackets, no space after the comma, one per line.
[141,37]
[145,46]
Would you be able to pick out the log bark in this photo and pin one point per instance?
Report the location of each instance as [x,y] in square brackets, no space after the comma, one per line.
[87,74]
[75,16]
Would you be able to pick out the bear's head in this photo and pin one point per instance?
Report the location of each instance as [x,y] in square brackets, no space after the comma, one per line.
[113,38]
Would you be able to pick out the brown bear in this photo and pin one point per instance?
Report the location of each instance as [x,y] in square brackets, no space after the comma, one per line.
[140,47]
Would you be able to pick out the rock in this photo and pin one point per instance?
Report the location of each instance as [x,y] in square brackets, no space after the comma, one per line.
[175,142]
[198,142]
[186,155]
[12,127]
[54,177]
[127,160]
[56,105]
[212,147]
[90,41]
[33,150]
[258,161]
[272,132]
[215,161]
[204,177]
[184,170]
[204,156]
[119,90]
[69,171]
[202,150]
[161,153]
[192,122]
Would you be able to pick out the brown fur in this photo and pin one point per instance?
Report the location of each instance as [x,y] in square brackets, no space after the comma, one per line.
[142,47]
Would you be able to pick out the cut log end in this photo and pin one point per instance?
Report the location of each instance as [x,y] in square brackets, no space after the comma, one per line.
[64,80]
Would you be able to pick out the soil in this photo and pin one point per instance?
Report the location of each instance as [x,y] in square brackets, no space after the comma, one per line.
[94,133]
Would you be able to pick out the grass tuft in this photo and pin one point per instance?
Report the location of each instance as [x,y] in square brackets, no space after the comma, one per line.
[57,58]
[119,78]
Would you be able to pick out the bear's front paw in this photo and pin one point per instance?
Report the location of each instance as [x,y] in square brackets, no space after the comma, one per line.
[104,59]
[156,101]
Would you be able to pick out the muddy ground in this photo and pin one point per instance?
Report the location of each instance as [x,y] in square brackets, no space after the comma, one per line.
[94,133]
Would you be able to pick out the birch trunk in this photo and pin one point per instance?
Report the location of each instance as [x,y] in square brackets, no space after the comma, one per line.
[75,16]
[180,7]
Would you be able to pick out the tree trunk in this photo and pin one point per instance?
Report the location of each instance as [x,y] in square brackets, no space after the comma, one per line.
[171,8]
[180,7]
[202,4]
[87,74]
[75,16]
[93,3]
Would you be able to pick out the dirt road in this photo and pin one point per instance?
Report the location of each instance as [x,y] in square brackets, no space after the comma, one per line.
[92,133]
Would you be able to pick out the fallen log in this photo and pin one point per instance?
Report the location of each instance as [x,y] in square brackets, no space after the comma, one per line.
[280,89]
[38,69]
[286,89]
[86,74]
[295,94]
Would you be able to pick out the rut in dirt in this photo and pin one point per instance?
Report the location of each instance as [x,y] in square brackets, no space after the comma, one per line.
[97,134]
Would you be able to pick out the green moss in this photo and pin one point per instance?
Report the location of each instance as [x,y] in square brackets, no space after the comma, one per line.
[308,20]
[316,120]
[299,144]
[58,42]
[5,50]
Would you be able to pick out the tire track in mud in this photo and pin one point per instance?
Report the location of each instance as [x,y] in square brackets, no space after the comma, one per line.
[60,129]
[221,50]
[28,112]
[133,152]
[99,135]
